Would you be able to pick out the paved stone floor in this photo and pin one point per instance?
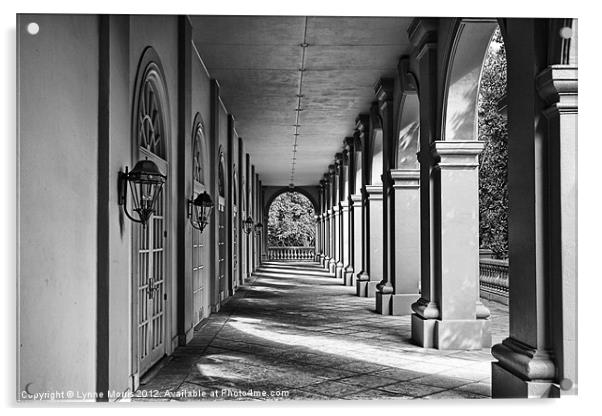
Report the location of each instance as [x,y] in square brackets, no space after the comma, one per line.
[299,334]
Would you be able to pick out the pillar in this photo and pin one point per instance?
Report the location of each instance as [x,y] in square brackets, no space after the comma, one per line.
[339,185]
[404,264]
[357,239]
[347,233]
[446,315]
[538,359]
[357,202]
[317,220]
[366,287]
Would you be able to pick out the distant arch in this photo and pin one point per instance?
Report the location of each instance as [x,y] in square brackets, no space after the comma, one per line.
[273,193]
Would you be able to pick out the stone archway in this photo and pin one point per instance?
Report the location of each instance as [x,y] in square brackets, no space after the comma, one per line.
[289,218]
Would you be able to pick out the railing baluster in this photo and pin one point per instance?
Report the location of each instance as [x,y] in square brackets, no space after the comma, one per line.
[292,253]
[493,279]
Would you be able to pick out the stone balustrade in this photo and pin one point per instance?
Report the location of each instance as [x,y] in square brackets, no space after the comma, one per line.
[291,253]
[493,279]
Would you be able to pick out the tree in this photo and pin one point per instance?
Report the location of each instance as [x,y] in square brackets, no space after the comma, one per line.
[493,163]
[291,221]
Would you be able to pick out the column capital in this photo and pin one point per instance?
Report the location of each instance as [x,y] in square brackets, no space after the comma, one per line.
[408,82]
[356,199]
[405,178]
[384,90]
[374,192]
[422,31]
[457,154]
[557,84]
[348,142]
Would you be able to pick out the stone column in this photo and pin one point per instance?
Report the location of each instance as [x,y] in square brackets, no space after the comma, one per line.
[458,325]
[356,237]
[335,239]
[374,207]
[346,231]
[404,266]
[317,220]
[338,265]
[344,237]
[327,222]
[538,359]
[423,35]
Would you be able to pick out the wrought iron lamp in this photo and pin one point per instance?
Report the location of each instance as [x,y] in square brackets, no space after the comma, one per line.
[258,227]
[145,182]
[199,210]
[247,225]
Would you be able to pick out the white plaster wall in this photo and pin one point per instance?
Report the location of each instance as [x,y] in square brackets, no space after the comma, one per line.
[57,174]
[120,149]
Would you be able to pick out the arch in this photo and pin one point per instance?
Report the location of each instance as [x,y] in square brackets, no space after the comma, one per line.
[302,190]
[374,155]
[357,164]
[408,133]
[459,121]
[291,228]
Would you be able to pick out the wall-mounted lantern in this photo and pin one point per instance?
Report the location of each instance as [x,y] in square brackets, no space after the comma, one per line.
[199,211]
[145,182]
[247,225]
[258,227]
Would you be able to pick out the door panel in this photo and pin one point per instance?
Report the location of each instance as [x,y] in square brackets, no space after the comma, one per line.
[150,242]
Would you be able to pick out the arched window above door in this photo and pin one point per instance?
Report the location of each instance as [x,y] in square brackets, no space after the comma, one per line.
[197,152]
[150,122]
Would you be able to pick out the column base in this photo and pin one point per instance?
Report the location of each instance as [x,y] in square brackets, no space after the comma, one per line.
[366,288]
[324,262]
[395,304]
[469,334]
[338,271]
[506,385]
[348,276]
[332,266]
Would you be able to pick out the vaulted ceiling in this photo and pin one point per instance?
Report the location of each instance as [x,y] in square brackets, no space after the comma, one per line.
[269,67]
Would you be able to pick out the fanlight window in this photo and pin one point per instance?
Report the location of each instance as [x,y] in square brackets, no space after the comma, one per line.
[220,178]
[151,128]
[197,154]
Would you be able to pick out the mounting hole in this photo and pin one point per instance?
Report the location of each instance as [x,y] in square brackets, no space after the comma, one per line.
[33,28]
[566,32]
[566,384]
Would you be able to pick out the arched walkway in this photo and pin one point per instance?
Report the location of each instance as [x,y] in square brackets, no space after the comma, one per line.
[286,334]
[291,227]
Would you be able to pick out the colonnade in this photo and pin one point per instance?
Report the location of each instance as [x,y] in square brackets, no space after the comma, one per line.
[399,205]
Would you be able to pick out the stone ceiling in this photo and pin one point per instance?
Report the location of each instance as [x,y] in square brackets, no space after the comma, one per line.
[269,66]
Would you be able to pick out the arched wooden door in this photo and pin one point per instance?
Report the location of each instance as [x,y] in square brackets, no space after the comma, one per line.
[221,243]
[150,243]
[233,279]
[200,293]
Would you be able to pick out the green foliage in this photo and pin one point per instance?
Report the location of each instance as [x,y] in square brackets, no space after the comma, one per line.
[291,221]
[493,173]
